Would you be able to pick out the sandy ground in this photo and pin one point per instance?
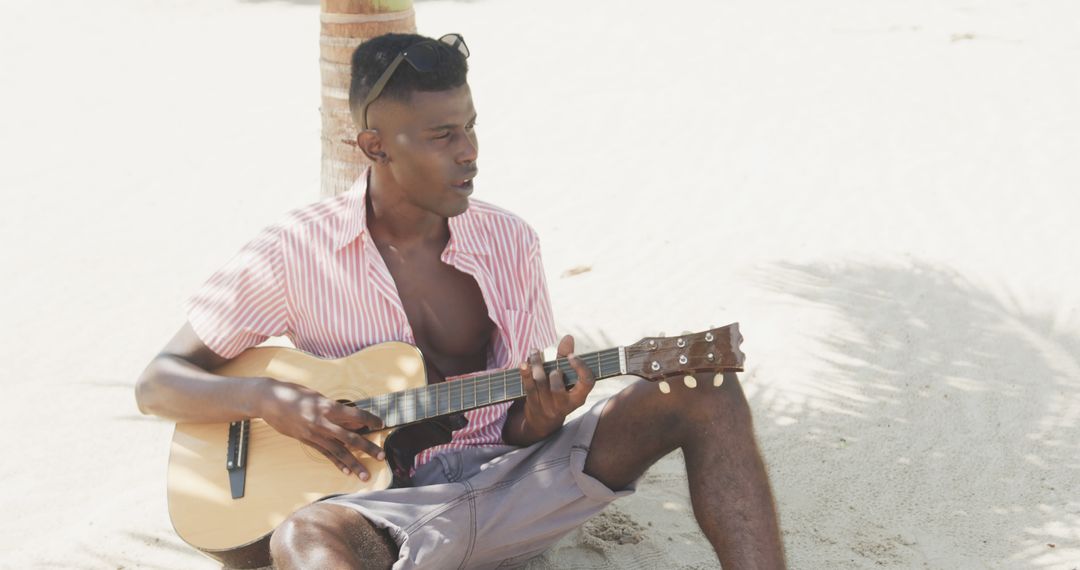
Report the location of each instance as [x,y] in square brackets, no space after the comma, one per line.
[884,194]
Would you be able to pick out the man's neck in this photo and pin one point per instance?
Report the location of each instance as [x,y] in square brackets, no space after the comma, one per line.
[393,220]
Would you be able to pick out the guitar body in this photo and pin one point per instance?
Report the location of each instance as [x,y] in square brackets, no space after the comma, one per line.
[283,475]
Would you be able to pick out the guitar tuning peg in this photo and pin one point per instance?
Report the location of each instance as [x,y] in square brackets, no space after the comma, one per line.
[665,388]
[718,380]
[690,381]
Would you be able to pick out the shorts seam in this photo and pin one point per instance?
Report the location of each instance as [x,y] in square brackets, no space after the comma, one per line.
[446,507]
[472,530]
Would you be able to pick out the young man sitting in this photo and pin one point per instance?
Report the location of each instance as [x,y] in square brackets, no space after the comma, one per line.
[407,255]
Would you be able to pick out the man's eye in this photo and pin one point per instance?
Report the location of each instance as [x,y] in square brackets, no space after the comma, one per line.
[443,135]
[470,127]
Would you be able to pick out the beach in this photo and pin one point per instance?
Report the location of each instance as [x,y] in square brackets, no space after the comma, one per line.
[883,195]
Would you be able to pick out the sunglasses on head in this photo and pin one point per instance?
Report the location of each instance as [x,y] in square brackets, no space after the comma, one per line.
[423,57]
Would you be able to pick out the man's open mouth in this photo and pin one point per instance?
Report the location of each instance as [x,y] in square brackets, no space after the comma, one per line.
[464,185]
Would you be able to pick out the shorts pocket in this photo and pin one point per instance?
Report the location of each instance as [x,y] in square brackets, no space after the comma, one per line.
[451,465]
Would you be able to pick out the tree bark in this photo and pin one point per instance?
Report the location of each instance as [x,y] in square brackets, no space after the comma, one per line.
[344,25]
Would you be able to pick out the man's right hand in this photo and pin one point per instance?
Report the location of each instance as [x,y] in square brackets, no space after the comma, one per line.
[178,385]
[326,425]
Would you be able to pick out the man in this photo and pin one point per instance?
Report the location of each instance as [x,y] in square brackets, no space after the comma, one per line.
[406,255]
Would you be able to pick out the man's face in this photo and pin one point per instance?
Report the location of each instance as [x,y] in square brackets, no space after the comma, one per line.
[431,147]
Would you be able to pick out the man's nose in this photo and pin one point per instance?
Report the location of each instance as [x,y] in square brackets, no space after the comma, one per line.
[469,149]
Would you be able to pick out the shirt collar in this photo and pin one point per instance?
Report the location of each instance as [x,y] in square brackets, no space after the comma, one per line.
[465,232]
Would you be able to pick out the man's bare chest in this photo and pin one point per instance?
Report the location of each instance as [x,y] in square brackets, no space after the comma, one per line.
[446,311]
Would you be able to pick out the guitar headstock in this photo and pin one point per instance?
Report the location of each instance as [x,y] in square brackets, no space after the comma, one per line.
[714,350]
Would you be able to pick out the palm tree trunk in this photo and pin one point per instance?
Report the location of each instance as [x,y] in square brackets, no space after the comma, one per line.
[345,24]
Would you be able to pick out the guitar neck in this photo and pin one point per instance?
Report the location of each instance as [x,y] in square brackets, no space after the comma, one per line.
[471,392]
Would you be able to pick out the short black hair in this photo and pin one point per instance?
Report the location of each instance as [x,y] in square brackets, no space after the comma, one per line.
[372,57]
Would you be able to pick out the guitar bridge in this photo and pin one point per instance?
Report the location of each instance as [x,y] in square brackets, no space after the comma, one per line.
[236,457]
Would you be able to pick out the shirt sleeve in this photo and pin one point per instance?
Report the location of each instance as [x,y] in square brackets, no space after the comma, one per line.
[244,302]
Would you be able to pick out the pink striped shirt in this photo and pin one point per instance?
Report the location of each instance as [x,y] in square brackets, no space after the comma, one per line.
[318,279]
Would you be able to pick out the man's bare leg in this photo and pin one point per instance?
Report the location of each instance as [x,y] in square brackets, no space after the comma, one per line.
[729,488]
[331,536]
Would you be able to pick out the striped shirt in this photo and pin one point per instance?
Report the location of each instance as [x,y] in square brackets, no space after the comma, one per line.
[318,279]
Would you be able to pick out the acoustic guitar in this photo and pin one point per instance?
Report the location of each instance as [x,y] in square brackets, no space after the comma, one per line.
[231,484]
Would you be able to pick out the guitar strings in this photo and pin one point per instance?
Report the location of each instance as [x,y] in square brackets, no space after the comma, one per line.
[457,391]
[417,403]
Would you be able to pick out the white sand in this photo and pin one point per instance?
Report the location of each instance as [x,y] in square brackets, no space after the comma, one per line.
[884,194]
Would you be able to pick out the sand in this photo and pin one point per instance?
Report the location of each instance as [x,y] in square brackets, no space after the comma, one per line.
[883,194]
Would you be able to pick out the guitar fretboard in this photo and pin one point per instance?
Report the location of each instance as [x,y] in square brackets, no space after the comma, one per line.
[470,392]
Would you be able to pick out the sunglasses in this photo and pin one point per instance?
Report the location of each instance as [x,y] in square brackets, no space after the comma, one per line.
[423,57]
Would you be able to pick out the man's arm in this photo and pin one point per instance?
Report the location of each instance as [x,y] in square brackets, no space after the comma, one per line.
[178,385]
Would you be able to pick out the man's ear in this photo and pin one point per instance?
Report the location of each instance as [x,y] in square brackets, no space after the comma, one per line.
[370,141]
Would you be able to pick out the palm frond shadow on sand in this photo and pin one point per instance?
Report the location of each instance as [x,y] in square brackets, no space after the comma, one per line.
[944,395]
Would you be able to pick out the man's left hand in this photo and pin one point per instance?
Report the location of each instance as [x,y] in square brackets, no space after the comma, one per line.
[547,401]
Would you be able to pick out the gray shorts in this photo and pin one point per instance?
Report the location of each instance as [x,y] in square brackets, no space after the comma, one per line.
[491,507]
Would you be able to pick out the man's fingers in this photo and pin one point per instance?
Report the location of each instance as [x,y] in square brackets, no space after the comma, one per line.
[557,380]
[337,463]
[357,441]
[355,418]
[536,362]
[585,382]
[340,456]
[527,381]
[566,346]
[539,378]
[584,373]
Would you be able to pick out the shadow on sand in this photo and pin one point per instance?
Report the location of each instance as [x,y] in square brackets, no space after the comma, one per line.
[958,407]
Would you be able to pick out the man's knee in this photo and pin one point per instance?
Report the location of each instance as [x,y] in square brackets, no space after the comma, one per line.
[329,526]
[681,408]
[711,398]
[310,525]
